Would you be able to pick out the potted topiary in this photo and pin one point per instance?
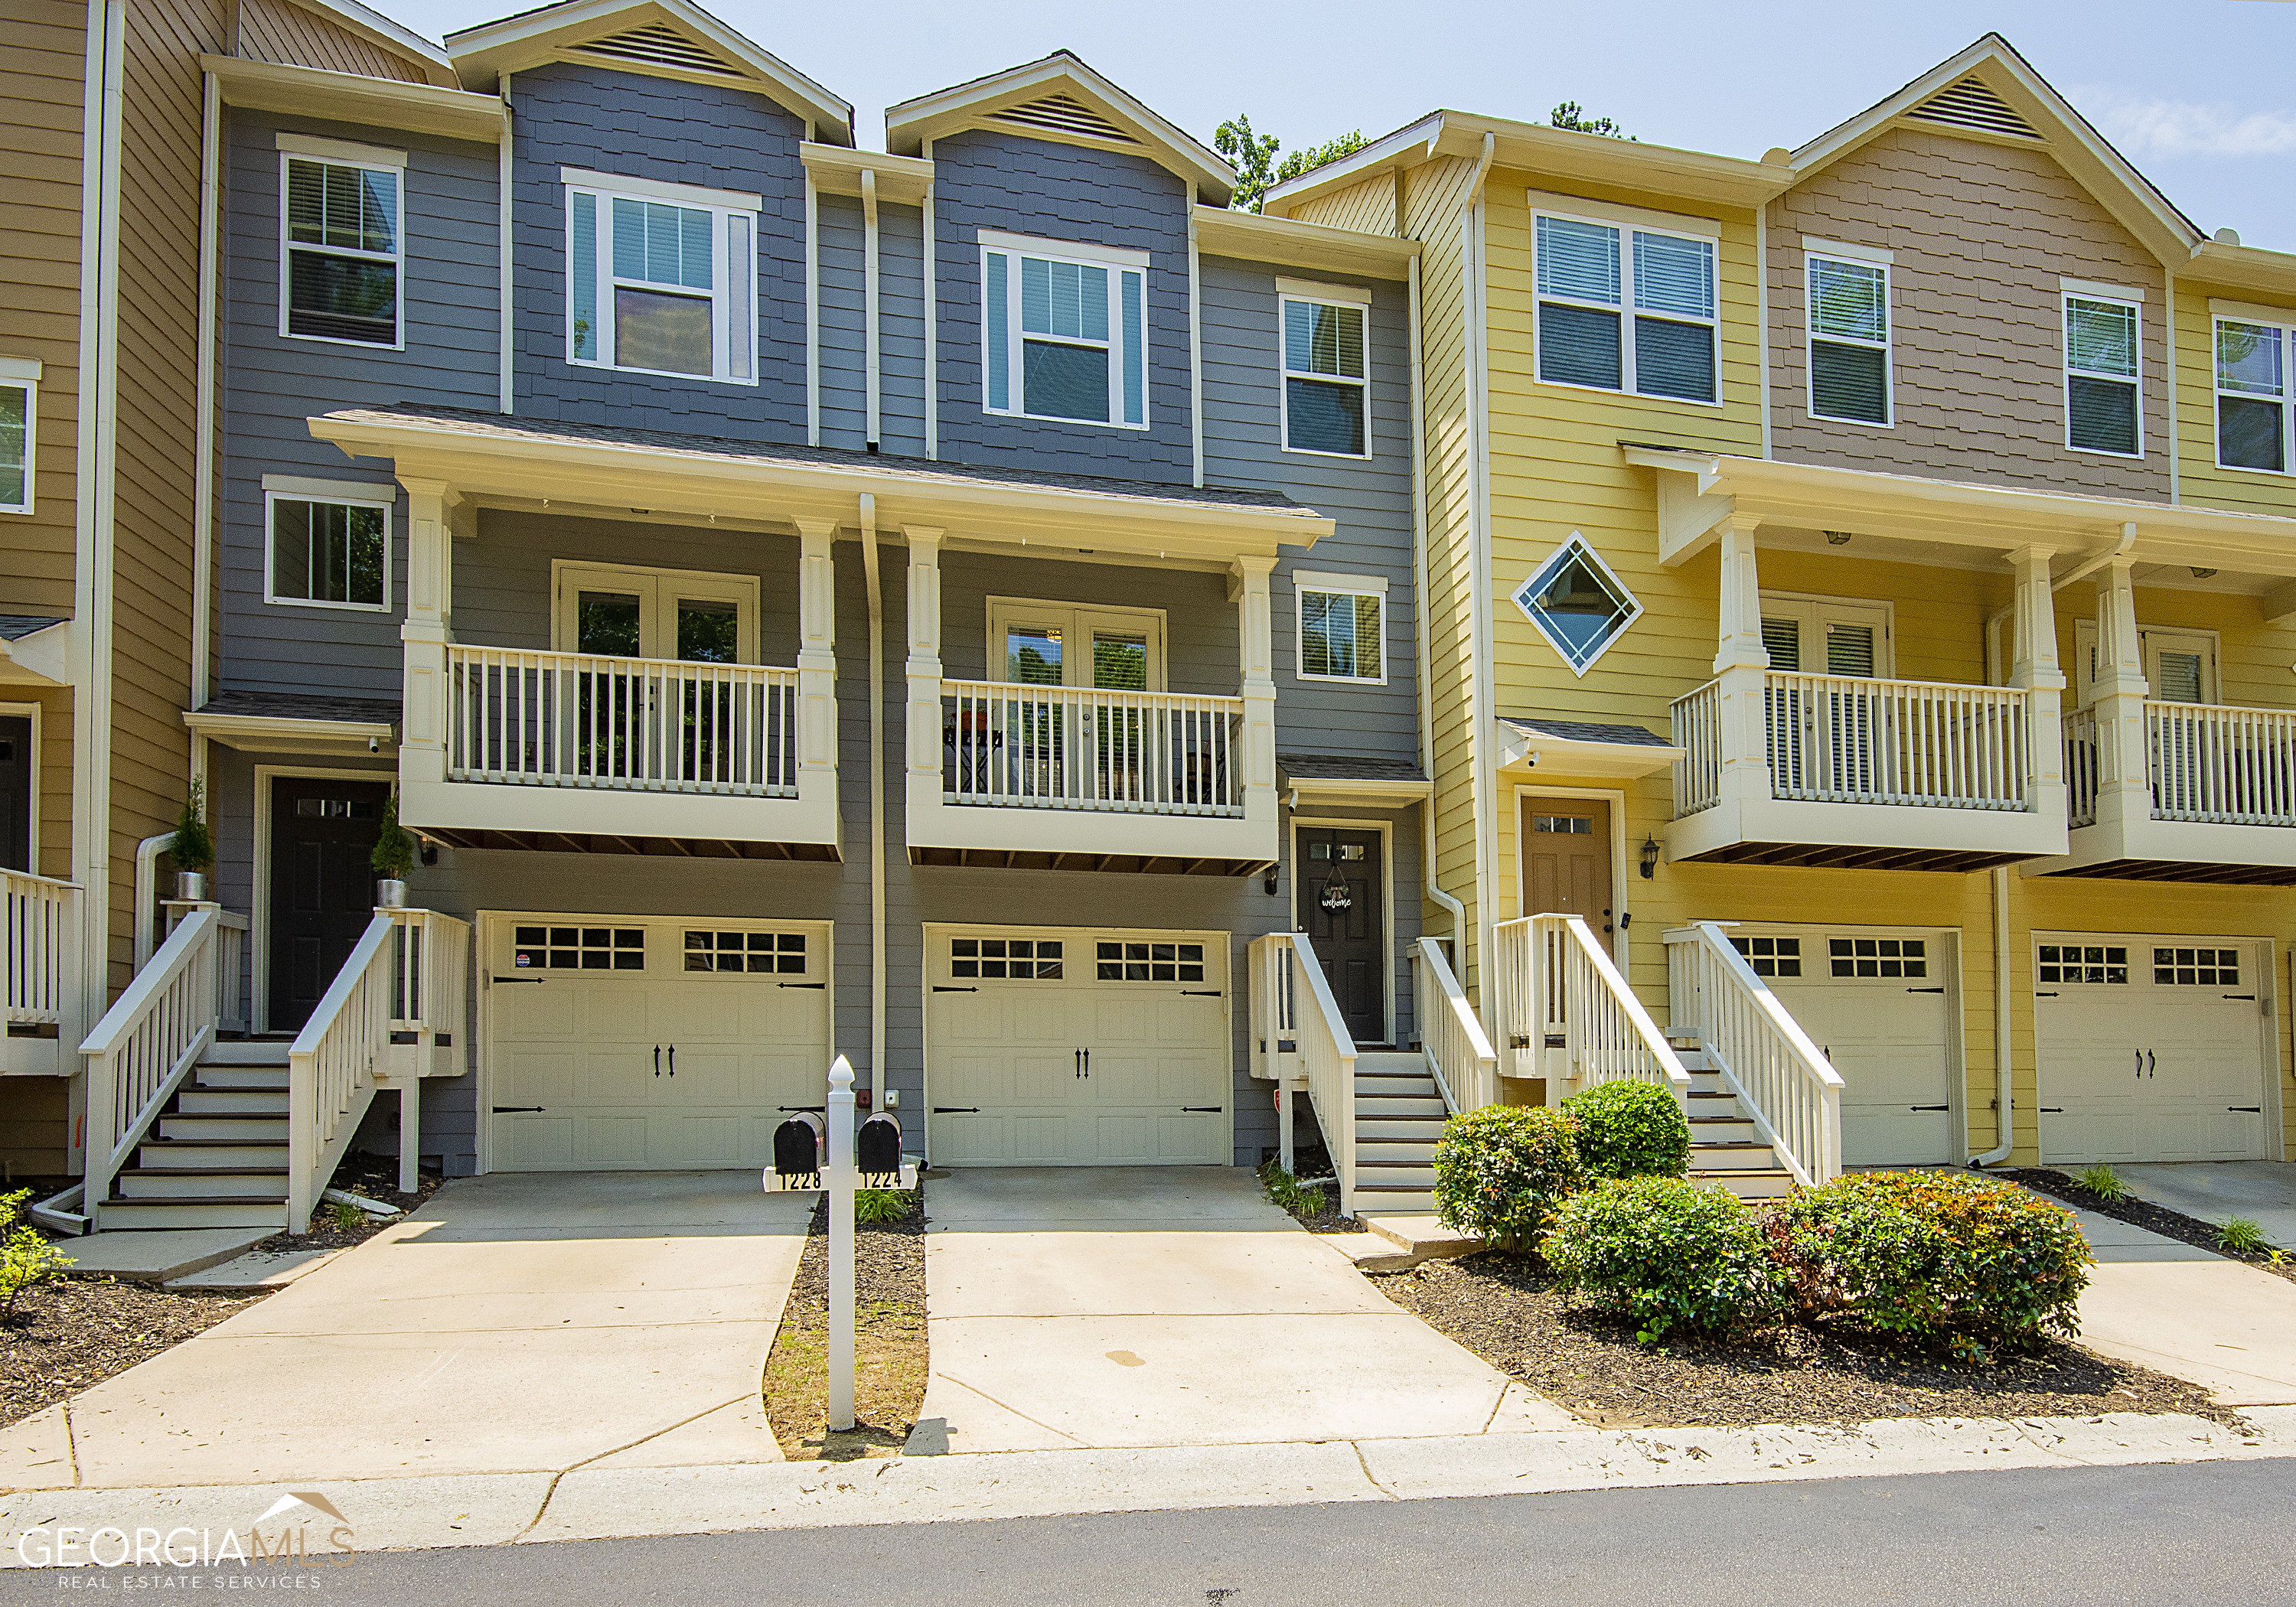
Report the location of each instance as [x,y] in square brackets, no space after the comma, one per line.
[393,857]
[192,848]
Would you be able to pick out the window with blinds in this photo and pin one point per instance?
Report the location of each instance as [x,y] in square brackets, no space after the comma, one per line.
[1627,309]
[341,239]
[1325,382]
[1064,331]
[1848,307]
[663,281]
[2253,360]
[2102,407]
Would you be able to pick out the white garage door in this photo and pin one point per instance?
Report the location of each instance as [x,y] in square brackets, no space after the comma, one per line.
[2151,1048]
[1061,1047]
[1876,1003]
[628,1044]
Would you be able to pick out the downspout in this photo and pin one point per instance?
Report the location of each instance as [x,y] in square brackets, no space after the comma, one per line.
[812,313]
[1479,544]
[869,294]
[1196,347]
[506,318]
[203,461]
[932,328]
[2168,332]
[877,804]
[2087,567]
[1419,588]
[2003,1098]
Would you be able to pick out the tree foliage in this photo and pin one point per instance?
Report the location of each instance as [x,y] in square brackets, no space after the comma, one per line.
[1254,158]
[1571,114]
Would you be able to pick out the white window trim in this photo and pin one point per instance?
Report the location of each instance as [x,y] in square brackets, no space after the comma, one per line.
[1635,607]
[2097,290]
[2070,293]
[1336,585]
[341,155]
[1076,620]
[373,497]
[342,152]
[2285,321]
[1625,310]
[1887,345]
[1773,605]
[722,205]
[25,372]
[1843,250]
[1288,291]
[742,591]
[1117,260]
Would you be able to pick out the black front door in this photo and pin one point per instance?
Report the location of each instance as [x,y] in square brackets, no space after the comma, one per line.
[1336,888]
[17,801]
[323,837]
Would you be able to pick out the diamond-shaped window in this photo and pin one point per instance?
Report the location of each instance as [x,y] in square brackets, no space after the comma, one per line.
[1578,604]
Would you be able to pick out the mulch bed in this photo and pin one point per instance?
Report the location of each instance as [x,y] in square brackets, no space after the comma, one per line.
[1505,1309]
[69,1335]
[2138,1213]
[371,1177]
[889,1358]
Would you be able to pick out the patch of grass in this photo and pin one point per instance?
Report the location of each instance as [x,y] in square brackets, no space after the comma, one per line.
[2103,1182]
[346,1217]
[2241,1236]
[1288,1192]
[875,1205]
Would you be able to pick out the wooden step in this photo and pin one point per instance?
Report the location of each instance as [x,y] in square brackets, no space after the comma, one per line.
[1719,1129]
[1414,1129]
[254,1129]
[1429,1108]
[192,1183]
[211,1076]
[246,1052]
[1731,1155]
[1393,1201]
[210,1154]
[257,1210]
[1393,1174]
[1773,1182]
[232,1101]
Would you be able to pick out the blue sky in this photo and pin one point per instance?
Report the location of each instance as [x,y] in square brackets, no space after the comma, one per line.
[2200,94]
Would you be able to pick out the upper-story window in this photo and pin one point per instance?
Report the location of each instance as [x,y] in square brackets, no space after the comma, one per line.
[1326,384]
[1584,269]
[660,278]
[2252,402]
[341,241]
[1340,636]
[19,419]
[2102,355]
[328,543]
[1849,302]
[1063,331]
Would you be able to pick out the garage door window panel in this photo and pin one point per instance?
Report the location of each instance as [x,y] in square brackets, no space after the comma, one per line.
[1012,959]
[578,948]
[2105,964]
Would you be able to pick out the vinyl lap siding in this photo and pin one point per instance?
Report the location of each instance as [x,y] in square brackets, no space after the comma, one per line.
[1368,208]
[2199,479]
[278,30]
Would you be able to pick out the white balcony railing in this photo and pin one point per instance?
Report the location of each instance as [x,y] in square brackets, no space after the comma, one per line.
[2221,766]
[1842,739]
[1085,748]
[1698,732]
[563,719]
[2080,767]
[42,921]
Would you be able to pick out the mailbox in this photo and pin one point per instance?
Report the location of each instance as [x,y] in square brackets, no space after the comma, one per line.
[877,1151]
[798,1152]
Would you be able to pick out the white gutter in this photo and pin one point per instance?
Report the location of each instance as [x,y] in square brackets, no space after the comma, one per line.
[203,449]
[1196,352]
[2083,571]
[933,327]
[2003,1096]
[869,294]
[1419,588]
[1479,543]
[507,319]
[877,804]
[812,313]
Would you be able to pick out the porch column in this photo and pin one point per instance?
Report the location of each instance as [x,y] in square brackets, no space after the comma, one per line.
[2033,666]
[1741,665]
[2123,787]
[924,668]
[816,665]
[428,630]
[1256,651]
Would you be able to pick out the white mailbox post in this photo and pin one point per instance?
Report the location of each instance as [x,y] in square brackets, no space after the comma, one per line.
[840,1179]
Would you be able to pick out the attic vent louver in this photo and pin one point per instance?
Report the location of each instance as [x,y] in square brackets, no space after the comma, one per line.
[1064,114]
[1970,105]
[659,47]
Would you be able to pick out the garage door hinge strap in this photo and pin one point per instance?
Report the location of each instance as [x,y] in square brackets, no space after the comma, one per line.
[515,1110]
[938,988]
[2251,1109]
[1200,993]
[956,1110]
[812,985]
[1924,990]
[1206,1109]
[1929,1107]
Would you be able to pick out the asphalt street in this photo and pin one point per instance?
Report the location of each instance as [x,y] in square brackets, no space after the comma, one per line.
[2207,1532]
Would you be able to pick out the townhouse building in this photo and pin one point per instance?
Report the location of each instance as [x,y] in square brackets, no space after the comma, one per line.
[949,607]
[1859,586]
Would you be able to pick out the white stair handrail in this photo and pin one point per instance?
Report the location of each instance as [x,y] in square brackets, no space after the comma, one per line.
[1306,1037]
[1782,1079]
[140,1053]
[332,1064]
[1459,1053]
[1565,1011]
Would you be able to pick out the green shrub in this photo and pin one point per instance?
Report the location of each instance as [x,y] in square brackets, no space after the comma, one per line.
[192,847]
[872,1205]
[1629,1129]
[1666,1254]
[2104,1183]
[2241,1236]
[27,1258]
[1934,1258]
[394,846]
[1501,1171]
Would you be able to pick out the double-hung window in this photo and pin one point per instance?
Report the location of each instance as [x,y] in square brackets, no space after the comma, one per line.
[1341,638]
[2253,357]
[1326,376]
[20,421]
[329,543]
[1848,307]
[2102,355]
[1589,272]
[660,278]
[341,241]
[1063,331]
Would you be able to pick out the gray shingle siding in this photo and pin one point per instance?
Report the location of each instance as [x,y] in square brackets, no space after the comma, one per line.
[673,133]
[272,383]
[1064,193]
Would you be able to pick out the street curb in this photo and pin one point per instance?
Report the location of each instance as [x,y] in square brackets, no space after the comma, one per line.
[590,1503]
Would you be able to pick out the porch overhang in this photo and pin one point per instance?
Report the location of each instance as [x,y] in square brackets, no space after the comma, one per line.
[489,459]
[1580,748]
[291,723]
[2208,853]
[1363,782]
[35,651]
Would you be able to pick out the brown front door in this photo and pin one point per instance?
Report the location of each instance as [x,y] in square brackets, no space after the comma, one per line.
[1566,861]
[1336,884]
[323,837]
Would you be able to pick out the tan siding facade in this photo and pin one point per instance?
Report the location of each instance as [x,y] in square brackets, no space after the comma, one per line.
[1982,233]
[278,30]
[1368,208]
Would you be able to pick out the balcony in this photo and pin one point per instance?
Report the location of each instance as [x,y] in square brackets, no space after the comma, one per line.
[1860,773]
[2162,792]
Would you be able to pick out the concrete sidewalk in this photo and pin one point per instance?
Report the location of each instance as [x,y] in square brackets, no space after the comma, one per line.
[518,1321]
[2217,1190]
[2179,1309]
[1170,1306]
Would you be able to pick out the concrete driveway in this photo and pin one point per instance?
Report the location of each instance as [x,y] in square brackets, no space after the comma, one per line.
[1159,1306]
[518,1321]
[2217,1190]
[2188,1312]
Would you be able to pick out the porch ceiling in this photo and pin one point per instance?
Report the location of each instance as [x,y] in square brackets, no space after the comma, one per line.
[484,457]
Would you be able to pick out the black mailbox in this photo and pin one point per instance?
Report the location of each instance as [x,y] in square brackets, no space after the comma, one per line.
[796,1150]
[877,1151]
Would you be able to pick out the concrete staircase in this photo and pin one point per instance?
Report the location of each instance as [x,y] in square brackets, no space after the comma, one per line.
[1398,1117]
[1725,1152]
[217,1156]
